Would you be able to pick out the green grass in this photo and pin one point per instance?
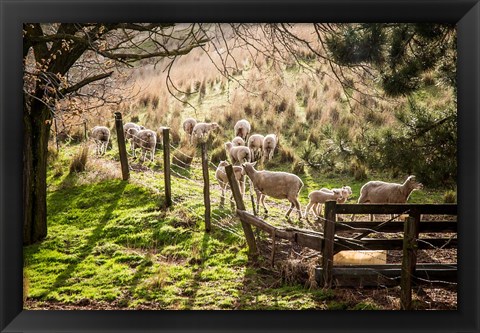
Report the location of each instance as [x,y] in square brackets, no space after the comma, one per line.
[114,242]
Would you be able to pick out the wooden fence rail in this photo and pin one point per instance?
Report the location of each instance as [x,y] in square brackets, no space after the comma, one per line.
[409,271]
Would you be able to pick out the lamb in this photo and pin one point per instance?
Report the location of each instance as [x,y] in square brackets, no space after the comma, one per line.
[188,125]
[382,192]
[255,143]
[317,198]
[101,136]
[201,130]
[221,176]
[146,140]
[269,144]
[346,192]
[128,126]
[238,141]
[242,128]
[238,154]
[279,185]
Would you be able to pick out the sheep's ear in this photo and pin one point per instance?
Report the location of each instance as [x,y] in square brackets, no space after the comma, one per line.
[254,163]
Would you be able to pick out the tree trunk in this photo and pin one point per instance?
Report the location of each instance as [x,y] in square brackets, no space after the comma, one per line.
[37,121]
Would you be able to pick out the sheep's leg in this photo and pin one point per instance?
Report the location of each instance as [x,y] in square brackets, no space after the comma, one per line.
[297,206]
[292,204]
[307,210]
[319,210]
[261,198]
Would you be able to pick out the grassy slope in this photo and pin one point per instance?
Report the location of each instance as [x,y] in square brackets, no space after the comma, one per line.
[111,241]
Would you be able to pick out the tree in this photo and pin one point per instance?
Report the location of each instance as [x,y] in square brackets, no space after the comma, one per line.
[401,53]
[64,61]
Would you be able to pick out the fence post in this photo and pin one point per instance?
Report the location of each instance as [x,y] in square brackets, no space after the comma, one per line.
[166,166]
[409,260]
[237,196]
[328,242]
[85,129]
[56,132]
[122,149]
[206,186]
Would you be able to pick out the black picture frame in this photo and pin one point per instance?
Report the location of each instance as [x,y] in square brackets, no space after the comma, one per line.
[466,13]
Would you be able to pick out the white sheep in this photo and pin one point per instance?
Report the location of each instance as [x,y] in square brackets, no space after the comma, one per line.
[255,143]
[128,126]
[319,197]
[200,131]
[101,136]
[377,191]
[346,192]
[238,141]
[238,154]
[242,128]
[146,140]
[221,176]
[269,144]
[188,125]
[276,184]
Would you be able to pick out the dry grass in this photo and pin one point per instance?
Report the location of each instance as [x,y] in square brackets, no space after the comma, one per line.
[79,160]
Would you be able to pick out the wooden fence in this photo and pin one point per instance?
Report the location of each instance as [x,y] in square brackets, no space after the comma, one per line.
[331,242]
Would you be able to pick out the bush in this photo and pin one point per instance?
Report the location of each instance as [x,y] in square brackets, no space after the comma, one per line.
[218,154]
[298,167]
[184,156]
[450,197]
[79,160]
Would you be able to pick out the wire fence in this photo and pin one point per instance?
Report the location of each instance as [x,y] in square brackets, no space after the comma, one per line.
[189,184]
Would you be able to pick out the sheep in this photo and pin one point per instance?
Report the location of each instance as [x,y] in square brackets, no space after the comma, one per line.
[377,191]
[128,126]
[238,154]
[101,136]
[221,176]
[238,141]
[201,130]
[319,197]
[269,144]
[188,125]
[146,140]
[242,128]
[346,192]
[255,143]
[279,185]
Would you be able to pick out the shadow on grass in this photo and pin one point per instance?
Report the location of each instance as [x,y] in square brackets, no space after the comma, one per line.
[197,277]
[115,192]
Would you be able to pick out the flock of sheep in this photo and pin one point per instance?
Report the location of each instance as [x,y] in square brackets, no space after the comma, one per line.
[138,135]
[245,151]
[284,185]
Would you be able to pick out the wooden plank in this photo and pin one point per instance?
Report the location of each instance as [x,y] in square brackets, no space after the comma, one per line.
[307,240]
[393,244]
[311,240]
[206,186]
[166,166]
[122,149]
[388,275]
[237,196]
[328,243]
[447,209]
[397,226]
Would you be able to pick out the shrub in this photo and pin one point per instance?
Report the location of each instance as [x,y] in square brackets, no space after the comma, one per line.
[79,160]
[358,171]
[184,156]
[450,197]
[287,154]
[298,167]
[218,154]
